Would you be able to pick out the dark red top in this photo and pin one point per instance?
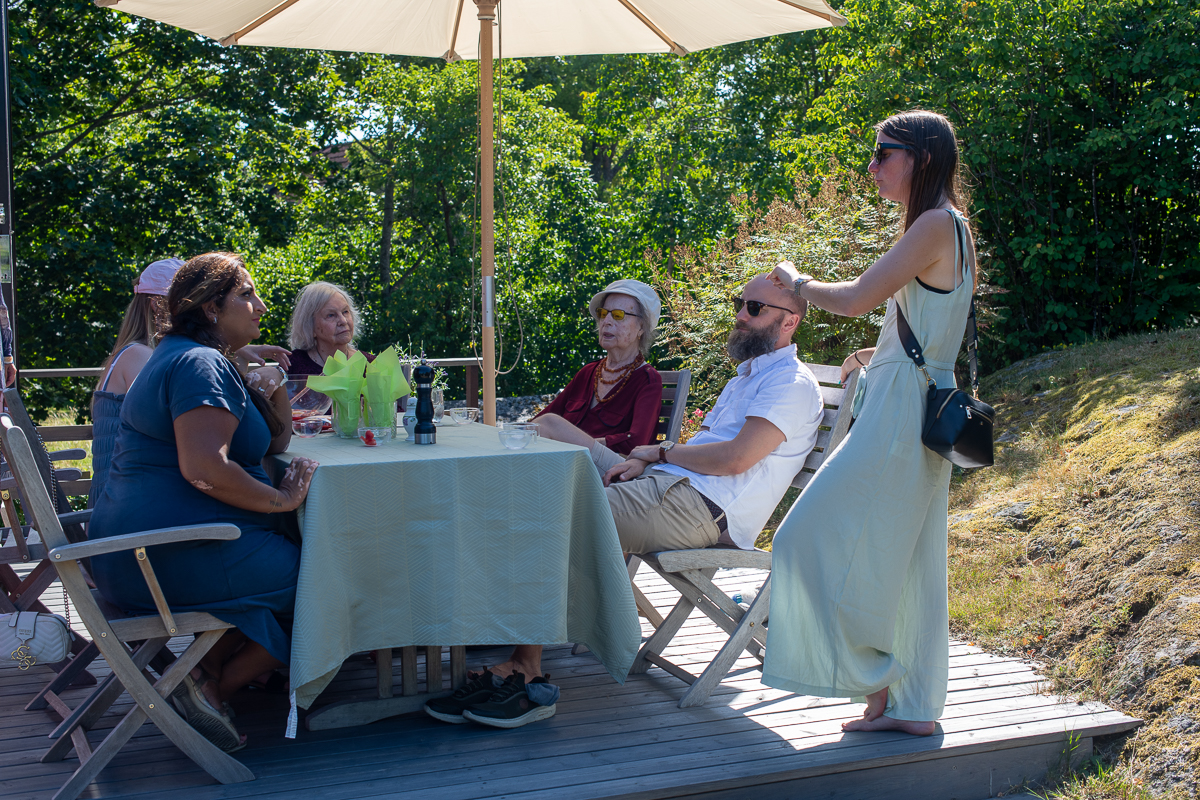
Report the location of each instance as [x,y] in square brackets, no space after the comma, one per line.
[626,420]
[302,363]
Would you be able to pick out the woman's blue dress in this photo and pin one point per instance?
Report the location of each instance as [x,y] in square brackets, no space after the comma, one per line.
[249,582]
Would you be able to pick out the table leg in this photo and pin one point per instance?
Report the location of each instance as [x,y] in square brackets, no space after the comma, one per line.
[408,671]
[383,672]
[361,711]
[433,669]
[458,666]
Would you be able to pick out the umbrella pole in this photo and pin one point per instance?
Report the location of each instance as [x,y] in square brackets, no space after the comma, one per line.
[487,222]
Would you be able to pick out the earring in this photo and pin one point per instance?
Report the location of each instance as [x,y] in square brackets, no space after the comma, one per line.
[214,319]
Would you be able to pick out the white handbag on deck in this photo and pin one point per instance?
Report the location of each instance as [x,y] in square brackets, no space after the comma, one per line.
[28,638]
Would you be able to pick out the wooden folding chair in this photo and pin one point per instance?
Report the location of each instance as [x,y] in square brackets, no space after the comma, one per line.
[690,572]
[128,644]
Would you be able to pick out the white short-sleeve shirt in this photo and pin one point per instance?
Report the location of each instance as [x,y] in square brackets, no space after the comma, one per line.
[780,389]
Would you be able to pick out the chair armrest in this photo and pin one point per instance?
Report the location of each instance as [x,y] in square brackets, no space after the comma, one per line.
[75,517]
[129,541]
[65,474]
[721,557]
[67,455]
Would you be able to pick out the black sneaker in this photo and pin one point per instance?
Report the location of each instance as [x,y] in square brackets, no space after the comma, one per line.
[477,689]
[510,706]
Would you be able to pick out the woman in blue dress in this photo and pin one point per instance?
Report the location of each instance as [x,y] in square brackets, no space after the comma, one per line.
[188,452]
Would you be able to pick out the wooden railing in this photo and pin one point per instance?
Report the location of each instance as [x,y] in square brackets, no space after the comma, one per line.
[471,365]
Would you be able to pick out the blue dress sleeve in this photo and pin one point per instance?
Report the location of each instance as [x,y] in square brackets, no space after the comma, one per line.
[203,377]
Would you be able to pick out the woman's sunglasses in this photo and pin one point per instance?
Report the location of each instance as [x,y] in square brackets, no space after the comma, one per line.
[617,313]
[881,150]
[754,307]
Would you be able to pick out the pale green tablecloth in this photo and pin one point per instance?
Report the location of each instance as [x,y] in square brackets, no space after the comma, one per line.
[462,542]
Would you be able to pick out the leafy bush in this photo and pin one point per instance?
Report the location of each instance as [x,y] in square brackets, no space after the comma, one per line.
[834,235]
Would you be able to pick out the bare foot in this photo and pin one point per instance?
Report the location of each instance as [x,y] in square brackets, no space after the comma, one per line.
[884,723]
[876,705]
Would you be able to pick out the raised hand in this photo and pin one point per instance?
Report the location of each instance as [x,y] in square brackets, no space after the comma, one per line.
[784,275]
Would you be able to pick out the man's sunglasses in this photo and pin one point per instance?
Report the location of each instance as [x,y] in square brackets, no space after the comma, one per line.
[617,313]
[881,150]
[754,307]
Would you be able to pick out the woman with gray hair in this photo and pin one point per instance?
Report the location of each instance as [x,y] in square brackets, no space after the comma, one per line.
[324,322]
[614,402]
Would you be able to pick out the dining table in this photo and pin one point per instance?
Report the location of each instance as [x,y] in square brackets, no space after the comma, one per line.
[461,542]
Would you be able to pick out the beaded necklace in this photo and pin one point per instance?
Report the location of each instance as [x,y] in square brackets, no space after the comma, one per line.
[621,375]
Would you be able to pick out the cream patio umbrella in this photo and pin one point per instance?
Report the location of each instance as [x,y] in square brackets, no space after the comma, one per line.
[531,28]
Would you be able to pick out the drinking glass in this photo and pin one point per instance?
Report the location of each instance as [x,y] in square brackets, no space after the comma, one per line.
[439,405]
[517,435]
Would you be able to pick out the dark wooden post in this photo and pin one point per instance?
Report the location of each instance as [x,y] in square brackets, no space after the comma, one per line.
[473,385]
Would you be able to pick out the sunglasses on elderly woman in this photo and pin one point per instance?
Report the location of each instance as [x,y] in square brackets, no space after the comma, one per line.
[881,150]
[754,308]
[617,313]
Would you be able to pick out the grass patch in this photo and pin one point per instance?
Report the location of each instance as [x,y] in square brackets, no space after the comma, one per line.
[67,417]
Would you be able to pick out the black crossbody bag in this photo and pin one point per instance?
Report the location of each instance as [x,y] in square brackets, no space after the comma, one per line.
[958,426]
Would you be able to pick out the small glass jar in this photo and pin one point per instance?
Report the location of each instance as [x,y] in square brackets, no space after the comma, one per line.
[439,405]
[345,418]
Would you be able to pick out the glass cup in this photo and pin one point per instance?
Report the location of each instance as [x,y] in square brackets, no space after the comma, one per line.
[307,427]
[464,416]
[439,405]
[346,418]
[380,415]
[517,435]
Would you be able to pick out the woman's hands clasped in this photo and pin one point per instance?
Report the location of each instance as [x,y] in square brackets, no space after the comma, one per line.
[294,487]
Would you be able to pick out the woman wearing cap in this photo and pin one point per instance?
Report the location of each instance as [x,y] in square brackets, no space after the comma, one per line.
[145,320]
[614,402]
[325,322]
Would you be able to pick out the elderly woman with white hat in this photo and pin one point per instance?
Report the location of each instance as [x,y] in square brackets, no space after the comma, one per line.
[613,403]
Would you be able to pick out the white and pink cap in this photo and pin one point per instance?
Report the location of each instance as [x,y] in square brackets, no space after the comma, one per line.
[156,278]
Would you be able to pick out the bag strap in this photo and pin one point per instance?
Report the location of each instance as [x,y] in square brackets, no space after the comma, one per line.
[913,348]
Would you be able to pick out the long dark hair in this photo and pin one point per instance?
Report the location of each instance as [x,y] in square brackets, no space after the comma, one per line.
[210,278]
[935,175]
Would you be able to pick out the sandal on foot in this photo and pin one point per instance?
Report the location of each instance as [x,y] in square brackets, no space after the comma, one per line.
[189,700]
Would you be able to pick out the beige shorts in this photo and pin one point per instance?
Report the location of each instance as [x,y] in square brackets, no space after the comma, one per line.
[659,511]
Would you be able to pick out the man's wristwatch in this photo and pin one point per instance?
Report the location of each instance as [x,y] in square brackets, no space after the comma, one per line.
[800,281]
[662,450]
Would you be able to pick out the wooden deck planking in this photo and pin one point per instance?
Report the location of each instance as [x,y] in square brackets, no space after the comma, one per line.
[606,740]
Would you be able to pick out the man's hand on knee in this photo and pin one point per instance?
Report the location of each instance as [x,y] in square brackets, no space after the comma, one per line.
[625,471]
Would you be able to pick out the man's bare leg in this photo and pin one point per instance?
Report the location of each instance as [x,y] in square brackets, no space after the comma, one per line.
[873,719]
[526,659]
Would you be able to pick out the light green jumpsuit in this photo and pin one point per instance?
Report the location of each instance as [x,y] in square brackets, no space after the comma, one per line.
[858,586]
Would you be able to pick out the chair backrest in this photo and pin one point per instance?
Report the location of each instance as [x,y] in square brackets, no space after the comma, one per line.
[20,417]
[37,505]
[674,404]
[835,422]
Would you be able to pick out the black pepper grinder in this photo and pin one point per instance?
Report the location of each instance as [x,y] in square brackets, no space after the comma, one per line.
[425,432]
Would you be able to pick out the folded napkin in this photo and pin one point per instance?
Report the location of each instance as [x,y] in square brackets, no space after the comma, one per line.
[343,383]
[383,385]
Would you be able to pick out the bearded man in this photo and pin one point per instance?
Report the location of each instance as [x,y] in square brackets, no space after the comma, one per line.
[721,486]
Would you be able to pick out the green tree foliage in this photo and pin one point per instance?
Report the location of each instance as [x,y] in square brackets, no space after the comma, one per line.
[398,226]
[134,141]
[1080,129]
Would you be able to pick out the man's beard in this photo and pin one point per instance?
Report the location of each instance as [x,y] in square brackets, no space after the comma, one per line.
[748,343]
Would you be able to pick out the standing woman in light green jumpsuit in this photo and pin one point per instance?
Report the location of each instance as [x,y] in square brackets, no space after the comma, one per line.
[858,598]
